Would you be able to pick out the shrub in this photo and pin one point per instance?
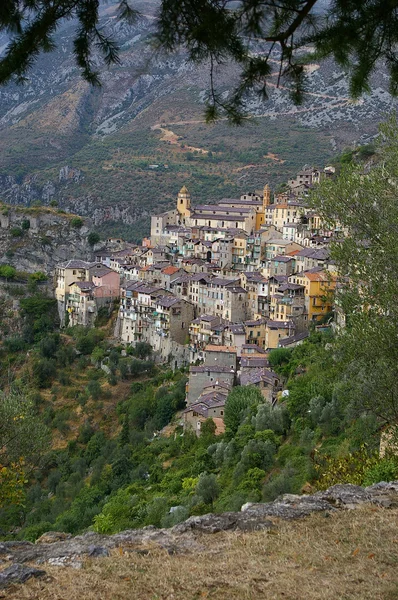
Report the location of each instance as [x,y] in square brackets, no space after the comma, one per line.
[282,483]
[93,238]
[7,271]
[43,372]
[38,276]
[94,389]
[118,513]
[207,488]
[385,470]
[16,232]
[76,222]
[25,224]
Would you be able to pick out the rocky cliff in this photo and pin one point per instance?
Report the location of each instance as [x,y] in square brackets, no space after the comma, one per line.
[36,239]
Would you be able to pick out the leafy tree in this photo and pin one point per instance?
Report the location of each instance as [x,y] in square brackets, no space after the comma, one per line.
[94,389]
[207,488]
[357,34]
[23,441]
[238,404]
[142,350]
[363,202]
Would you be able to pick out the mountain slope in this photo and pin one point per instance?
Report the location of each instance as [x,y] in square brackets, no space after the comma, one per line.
[149,111]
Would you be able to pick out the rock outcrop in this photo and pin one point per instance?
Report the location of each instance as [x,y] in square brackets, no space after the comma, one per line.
[36,239]
[62,549]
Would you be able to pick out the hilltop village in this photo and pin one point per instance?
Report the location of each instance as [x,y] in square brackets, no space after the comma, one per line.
[216,286]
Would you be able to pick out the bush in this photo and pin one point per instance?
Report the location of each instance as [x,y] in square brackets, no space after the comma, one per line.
[282,483]
[43,372]
[14,344]
[385,470]
[207,488]
[16,232]
[7,271]
[118,513]
[94,389]
[142,350]
[25,224]
[38,276]
[76,222]
[93,238]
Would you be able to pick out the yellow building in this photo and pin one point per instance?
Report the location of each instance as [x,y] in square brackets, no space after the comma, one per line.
[319,292]
[239,249]
[276,331]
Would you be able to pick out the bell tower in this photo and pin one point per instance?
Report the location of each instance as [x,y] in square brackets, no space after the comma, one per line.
[184,202]
[266,196]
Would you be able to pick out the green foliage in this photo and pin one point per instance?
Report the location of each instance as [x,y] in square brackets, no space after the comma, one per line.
[240,401]
[118,513]
[207,488]
[76,222]
[142,350]
[94,389]
[279,356]
[352,468]
[16,232]
[93,238]
[7,271]
[23,440]
[87,340]
[44,370]
[38,276]
[25,225]
[366,358]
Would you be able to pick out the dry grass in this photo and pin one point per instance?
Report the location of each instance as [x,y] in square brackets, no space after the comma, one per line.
[348,555]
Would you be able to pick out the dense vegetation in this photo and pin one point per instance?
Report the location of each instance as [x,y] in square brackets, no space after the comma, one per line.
[109,469]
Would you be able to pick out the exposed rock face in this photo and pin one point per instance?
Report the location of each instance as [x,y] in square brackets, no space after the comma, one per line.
[50,239]
[17,573]
[64,550]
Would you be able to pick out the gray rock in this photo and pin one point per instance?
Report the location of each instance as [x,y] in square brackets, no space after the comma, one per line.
[95,551]
[18,573]
[288,506]
[345,495]
[213,523]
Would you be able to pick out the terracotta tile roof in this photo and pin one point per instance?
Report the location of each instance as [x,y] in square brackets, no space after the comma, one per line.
[170,270]
[215,348]
[320,276]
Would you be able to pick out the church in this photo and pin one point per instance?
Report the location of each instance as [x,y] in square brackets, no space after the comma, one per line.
[247,214]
